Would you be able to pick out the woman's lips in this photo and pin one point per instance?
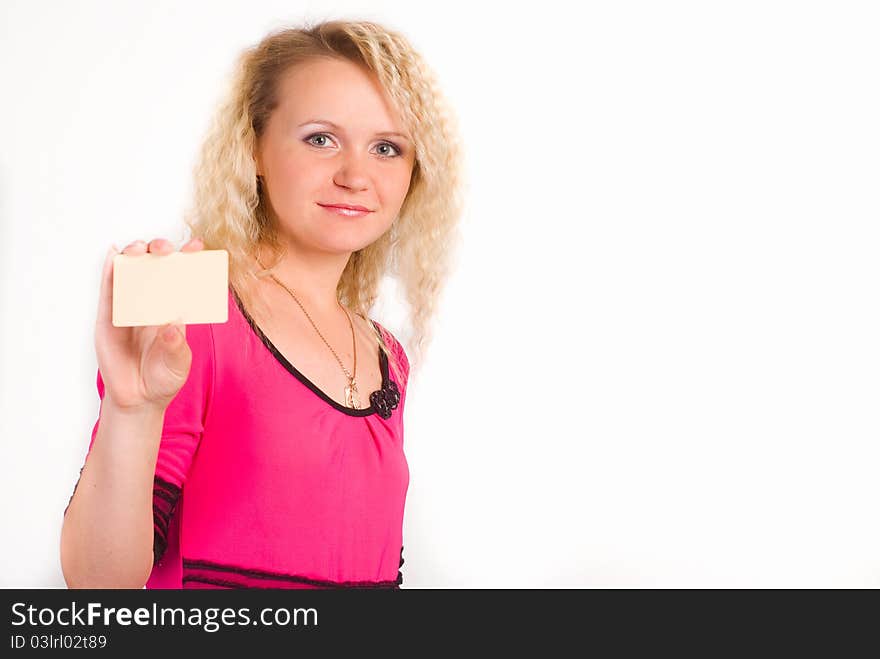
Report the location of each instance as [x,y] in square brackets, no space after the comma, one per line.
[347,212]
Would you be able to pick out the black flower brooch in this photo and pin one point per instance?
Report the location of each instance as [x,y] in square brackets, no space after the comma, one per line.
[385,399]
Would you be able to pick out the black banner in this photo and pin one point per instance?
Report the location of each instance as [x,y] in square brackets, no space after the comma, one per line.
[114,621]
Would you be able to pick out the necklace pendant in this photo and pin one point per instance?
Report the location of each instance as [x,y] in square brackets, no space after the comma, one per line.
[351,398]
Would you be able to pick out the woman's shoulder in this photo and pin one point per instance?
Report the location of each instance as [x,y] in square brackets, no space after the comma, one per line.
[395,347]
[388,337]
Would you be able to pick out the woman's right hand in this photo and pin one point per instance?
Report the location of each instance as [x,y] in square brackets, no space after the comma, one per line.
[142,367]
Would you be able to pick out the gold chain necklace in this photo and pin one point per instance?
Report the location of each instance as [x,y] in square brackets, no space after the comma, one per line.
[351,390]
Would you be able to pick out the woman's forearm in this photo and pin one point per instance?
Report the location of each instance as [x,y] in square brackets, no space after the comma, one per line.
[107,534]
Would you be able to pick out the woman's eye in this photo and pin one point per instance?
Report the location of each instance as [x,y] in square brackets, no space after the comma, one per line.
[310,137]
[389,144]
[382,145]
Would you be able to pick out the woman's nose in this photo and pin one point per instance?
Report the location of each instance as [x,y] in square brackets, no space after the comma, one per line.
[352,172]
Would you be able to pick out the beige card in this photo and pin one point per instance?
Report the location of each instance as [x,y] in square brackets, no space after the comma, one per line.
[182,287]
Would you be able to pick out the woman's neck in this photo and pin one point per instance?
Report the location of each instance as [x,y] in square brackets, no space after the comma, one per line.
[312,277]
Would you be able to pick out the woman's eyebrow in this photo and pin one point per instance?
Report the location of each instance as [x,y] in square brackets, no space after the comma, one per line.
[327,122]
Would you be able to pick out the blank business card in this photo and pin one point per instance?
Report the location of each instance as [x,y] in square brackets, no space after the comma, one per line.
[187,287]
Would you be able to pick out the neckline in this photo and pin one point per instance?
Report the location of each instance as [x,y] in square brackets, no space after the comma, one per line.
[293,370]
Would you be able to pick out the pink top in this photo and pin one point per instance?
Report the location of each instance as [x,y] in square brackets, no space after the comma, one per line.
[264,481]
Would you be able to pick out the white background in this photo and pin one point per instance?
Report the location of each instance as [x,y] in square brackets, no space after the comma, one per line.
[657,362]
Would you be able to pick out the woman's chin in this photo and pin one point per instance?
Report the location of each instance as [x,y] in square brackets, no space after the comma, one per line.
[349,239]
[342,246]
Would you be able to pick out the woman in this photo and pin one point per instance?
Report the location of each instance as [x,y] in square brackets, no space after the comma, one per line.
[267,451]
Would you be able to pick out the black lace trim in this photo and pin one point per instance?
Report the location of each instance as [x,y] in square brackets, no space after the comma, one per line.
[165,498]
[220,583]
[399,573]
[385,399]
[232,576]
[382,401]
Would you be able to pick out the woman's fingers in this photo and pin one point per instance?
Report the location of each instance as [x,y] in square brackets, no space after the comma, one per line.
[193,245]
[160,246]
[135,248]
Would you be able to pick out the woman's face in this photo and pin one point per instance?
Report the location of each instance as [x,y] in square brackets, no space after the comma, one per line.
[357,161]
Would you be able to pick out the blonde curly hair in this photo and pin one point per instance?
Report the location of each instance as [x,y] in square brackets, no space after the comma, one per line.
[229,210]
